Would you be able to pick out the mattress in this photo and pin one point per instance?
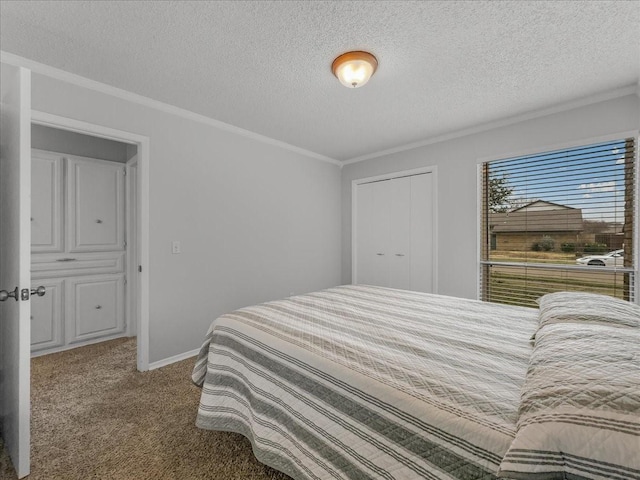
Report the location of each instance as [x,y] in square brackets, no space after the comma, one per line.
[359,382]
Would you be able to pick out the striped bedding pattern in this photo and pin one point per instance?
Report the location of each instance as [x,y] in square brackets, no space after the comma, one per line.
[362,382]
[580,409]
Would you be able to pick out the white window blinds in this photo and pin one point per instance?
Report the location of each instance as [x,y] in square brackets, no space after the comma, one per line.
[562,220]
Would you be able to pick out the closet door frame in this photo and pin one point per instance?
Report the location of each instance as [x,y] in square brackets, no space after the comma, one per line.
[142,214]
[433,170]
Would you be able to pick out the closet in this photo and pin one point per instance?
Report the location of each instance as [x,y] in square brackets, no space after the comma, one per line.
[78,250]
[394,233]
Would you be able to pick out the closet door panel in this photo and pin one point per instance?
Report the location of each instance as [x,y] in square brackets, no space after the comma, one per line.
[422,231]
[46,203]
[95,307]
[96,206]
[399,232]
[365,235]
[47,330]
[373,234]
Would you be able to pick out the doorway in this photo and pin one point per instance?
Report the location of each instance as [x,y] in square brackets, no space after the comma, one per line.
[135,304]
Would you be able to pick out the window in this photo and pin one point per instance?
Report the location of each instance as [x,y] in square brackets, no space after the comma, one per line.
[562,220]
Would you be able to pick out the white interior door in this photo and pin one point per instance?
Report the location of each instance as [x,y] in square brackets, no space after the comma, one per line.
[15,250]
[373,237]
[399,231]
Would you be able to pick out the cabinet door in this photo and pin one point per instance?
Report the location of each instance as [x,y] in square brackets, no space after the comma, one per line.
[400,230]
[46,203]
[95,307]
[372,233]
[422,232]
[96,205]
[47,329]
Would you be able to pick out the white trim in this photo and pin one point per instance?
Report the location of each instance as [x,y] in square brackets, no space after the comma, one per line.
[601,97]
[558,146]
[143,143]
[433,169]
[176,358]
[58,74]
[131,252]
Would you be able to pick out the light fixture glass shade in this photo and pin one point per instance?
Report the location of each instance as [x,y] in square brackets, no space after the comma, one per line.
[354,69]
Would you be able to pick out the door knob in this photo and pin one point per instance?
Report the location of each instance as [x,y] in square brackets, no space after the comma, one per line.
[4,295]
[40,291]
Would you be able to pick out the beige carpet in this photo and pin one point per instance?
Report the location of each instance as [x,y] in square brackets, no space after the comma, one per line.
[95,417]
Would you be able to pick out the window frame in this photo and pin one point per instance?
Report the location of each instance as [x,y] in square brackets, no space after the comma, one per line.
[539,150]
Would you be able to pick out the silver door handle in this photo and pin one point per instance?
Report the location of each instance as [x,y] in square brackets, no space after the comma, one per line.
[4,295]
[65,259]
[399,254]
[98,307]
[40,291]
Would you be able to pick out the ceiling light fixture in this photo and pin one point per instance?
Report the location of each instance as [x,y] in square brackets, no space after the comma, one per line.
[354,69]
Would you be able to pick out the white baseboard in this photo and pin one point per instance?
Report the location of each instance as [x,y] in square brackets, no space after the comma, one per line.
[176,358]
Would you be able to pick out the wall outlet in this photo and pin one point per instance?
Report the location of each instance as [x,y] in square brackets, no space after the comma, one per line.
[175,247]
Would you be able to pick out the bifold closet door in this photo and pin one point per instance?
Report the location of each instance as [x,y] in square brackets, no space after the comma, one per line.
[394,233]
[372,232]
[399,254]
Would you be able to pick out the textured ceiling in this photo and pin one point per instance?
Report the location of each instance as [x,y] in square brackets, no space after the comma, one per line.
[265,66]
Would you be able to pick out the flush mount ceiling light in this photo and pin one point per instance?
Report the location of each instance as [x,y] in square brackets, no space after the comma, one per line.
[354,69]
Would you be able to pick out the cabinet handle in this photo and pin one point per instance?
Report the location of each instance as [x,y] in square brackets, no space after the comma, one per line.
[65,259]
[380,254]
[98,307]
[98,221]
[399,254]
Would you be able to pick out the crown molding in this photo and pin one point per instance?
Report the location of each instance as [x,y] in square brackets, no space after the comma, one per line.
[601,97]
[72,78]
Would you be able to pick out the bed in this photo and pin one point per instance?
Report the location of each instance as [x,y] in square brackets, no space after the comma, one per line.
[364,382]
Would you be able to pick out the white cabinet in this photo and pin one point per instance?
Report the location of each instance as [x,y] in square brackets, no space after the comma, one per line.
[95,307]
[95,199]
[78,250]
[393,233]
[46,203]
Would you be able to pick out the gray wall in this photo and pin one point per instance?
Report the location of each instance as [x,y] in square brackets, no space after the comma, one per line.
[256,222]
[72,143]
[457,161]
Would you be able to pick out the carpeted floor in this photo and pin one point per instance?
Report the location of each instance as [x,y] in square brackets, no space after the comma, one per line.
[95,417]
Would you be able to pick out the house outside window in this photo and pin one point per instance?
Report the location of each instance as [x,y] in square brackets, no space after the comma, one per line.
[558,221]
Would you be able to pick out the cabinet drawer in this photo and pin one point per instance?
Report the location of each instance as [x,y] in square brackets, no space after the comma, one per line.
[46,266]
[47,330]
[95,307]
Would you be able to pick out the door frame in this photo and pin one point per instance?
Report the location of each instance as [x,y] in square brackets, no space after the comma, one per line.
[141,214]
[432,169]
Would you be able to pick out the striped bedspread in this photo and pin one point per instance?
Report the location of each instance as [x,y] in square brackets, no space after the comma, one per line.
[361,382]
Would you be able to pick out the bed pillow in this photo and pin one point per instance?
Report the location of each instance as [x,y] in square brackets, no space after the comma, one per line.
[564,307]
[579,416]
